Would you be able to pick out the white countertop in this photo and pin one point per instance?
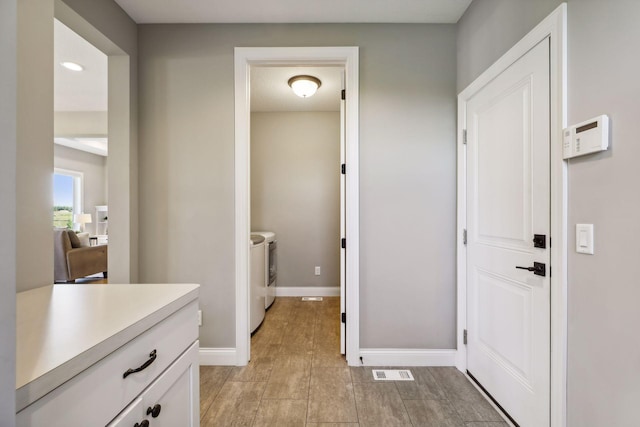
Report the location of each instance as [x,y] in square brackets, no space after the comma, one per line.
[64,329]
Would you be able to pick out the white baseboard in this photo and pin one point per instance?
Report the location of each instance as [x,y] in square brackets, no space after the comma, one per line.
[217,356]
[407,357]
[370,356]
[328,291]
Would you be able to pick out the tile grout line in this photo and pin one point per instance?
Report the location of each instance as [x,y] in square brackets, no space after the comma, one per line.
[226,378]
[255,416]
[263,391]
[310,373]
[455,408]
[355,401]
[395,384]
[448,396]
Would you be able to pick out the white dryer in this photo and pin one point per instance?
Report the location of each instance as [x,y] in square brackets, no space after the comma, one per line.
[256,287]
[271,265]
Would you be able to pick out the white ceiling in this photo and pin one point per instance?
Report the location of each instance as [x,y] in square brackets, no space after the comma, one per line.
[78,90]
[271,92]
[294,11]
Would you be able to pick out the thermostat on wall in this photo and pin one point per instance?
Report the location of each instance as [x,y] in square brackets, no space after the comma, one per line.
[586,137]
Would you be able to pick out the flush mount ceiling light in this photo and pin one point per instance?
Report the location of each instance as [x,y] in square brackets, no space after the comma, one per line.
[72,66]
[304,86]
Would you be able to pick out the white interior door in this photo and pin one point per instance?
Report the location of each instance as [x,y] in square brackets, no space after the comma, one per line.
[343,225]
[508,202]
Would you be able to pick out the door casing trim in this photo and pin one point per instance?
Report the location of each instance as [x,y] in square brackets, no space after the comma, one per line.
[244,59]
[555,27]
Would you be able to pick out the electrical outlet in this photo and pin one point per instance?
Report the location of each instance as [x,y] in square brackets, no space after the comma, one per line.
[317,270]
[199,317]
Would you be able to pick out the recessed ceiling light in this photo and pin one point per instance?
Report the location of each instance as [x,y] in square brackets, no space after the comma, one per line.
[72,66]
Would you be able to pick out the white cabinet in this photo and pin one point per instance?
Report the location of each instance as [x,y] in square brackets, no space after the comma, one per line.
[155,372]
[169,401]
[102,222]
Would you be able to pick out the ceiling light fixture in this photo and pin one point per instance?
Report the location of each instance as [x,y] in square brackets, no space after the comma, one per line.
[304,86]
[72,66]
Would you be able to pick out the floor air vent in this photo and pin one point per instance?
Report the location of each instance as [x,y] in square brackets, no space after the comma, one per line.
[311,298]
[392,375]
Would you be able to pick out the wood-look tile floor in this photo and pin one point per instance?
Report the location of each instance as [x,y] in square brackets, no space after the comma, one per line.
[297,377]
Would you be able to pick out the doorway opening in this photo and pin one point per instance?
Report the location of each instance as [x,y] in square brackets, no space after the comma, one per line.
[295,204]
[246,61]
[102,120]
[80,157]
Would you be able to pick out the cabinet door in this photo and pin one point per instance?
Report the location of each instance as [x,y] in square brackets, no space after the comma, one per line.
[171,400]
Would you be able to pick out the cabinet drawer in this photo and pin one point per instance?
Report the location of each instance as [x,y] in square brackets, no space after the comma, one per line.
[130,416]
[175,396]
[97,395]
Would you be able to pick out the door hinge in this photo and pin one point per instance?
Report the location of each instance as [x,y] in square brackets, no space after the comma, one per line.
[343,243]
[464,337]
[344,317]
[343,94]
[343,169]
[464,136]
[464,236]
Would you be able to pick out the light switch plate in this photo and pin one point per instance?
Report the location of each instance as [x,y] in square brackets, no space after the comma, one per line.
[584,238]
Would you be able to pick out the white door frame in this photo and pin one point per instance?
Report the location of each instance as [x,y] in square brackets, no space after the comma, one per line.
[245,58]
[555,26]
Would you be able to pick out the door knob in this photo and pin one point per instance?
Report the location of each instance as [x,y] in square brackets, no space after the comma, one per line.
[155,411]
[539,269]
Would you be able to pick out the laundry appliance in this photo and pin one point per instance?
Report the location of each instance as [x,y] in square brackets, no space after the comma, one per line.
[271,265]
[256,287]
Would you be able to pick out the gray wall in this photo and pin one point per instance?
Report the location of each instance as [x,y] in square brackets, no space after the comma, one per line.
[34,157]
[110,20]
[94,169]
[603,292]
[603,190]
[8,147]
[80,123]
[295,192]
[489,28]
[34,161]
[26,154]
[407,178]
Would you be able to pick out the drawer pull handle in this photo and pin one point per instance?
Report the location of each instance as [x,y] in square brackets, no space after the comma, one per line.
[152,357]
[155,411]
[144,423]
